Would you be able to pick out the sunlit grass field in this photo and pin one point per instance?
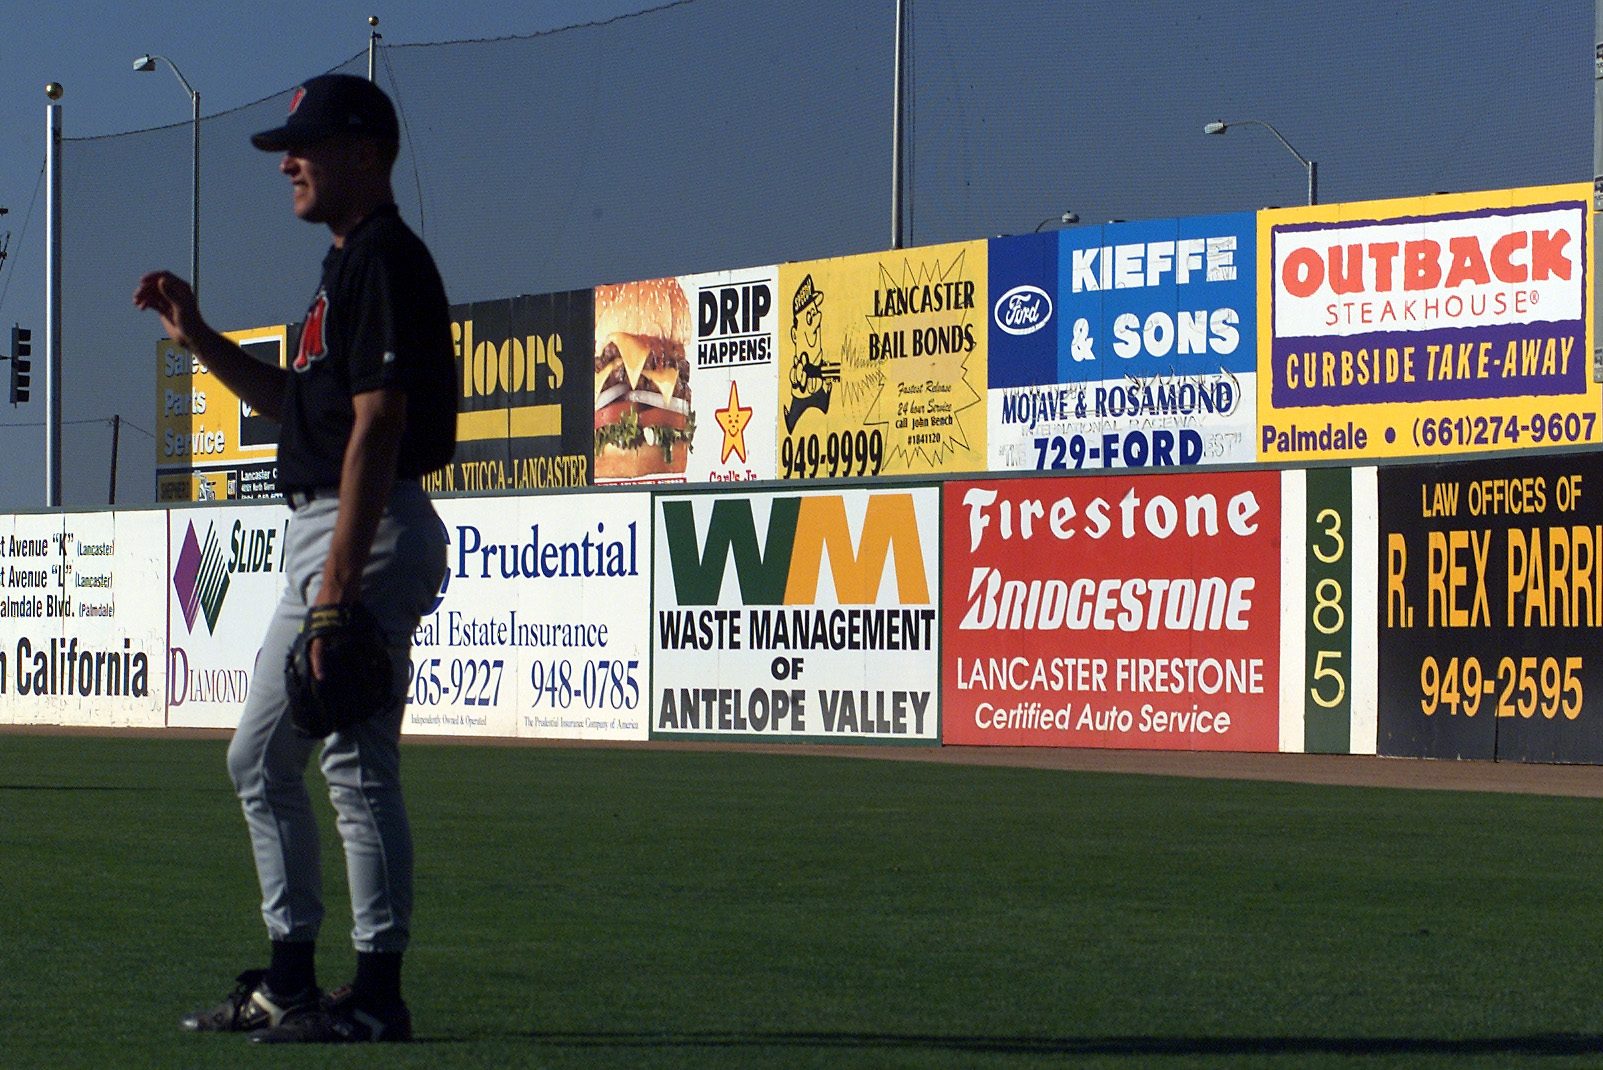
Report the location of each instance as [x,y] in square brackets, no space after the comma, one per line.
[644,908]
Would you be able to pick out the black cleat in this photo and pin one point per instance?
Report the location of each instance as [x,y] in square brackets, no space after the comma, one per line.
[249,1007]
[337,1020]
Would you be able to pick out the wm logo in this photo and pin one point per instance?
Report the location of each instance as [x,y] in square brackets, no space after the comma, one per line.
[783,568]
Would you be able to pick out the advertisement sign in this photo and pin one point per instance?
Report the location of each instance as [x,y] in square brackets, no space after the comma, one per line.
[210,445]
[883,363]
[736,374]
[540,626]
[1124,346]
[1430,325]
[1491,610]
[78,643]
[797,616]
[1327,594]
[523,414]
[224,569]
[1113,611]
[1328,564]
[644,424]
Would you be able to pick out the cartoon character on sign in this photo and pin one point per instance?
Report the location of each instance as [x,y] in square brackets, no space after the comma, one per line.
[733,418]
[812,378]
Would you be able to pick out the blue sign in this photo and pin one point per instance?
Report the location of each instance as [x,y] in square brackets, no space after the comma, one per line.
[1024,320]
[1169,297]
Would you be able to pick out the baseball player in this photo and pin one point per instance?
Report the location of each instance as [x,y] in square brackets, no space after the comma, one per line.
[366,408]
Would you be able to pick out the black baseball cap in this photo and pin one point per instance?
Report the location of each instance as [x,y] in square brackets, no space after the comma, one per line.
[332,104]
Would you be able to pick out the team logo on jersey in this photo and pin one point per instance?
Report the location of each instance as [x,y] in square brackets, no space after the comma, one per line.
[313,347]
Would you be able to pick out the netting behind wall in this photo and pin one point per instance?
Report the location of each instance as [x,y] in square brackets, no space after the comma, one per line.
[723,133]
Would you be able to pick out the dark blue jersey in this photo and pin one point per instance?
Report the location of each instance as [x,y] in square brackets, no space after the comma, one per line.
[380,319]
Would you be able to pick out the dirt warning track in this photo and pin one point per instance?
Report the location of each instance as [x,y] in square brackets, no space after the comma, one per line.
[1356,770]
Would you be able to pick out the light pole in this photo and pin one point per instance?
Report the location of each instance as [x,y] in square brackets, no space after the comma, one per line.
[373,38]
[1067,219]
[53,296]
[898,128]
[147,62]
[1312,166]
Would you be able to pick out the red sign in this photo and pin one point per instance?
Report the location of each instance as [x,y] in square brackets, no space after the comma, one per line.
[1113,611]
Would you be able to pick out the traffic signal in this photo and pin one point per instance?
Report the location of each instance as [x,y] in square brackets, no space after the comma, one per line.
[21,366]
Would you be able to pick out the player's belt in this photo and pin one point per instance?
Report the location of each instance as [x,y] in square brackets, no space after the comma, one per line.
[301,497]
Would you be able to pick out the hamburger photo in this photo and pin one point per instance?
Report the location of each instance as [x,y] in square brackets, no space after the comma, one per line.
[643,421]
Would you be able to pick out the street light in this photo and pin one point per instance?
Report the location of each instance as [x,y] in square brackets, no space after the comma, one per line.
[1312,166]
[1067,219]
[147,62]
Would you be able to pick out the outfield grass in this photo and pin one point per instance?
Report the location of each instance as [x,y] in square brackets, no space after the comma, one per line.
[641,908]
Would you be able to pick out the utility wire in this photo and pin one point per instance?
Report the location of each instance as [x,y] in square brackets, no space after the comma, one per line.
[593,24]
[106,420]
[24,234]
[417,180]
[129,423]
[362,53]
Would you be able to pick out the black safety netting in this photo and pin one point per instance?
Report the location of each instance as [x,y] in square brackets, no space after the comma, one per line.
[711,134]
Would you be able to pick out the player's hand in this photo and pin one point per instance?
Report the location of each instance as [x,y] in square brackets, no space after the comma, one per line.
[173,300]
[329,594]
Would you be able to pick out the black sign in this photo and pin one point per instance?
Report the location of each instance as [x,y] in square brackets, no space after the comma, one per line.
[1491,610]
[524,401]
[255,429]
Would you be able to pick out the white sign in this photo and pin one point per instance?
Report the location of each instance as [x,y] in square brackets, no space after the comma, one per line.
[1492,267]
[736,320]
[798,615]
[540,628]
[225,575]
[81,645]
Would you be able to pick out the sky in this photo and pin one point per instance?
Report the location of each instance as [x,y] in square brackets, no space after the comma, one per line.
[1020,110]
[234,52]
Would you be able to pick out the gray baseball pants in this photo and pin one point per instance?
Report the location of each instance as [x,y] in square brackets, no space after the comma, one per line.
[267,758]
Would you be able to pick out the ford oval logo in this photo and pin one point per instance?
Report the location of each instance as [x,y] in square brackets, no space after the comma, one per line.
[1023,310]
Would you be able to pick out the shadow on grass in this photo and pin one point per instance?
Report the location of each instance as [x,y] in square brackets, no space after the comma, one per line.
[1535,1044]
[68,787]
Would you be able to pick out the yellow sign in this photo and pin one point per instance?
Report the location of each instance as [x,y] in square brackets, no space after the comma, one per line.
[1450,324]
[882,366]
[203,428]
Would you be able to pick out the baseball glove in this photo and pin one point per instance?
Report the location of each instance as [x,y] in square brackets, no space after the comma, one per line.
[358,674]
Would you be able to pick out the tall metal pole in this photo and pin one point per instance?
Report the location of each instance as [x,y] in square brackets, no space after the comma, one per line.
[1311,166]
[372,44]
[1597,169]
[53,297]
[194,193]
[896,132]
[1597,108]
[147,62]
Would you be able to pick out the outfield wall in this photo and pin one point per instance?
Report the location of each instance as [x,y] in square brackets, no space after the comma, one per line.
[1179,484]
[1383,330]
[1446,609]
